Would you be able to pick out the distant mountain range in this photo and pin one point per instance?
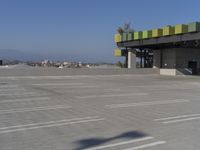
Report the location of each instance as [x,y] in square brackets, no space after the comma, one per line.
[21,55]
[10,54]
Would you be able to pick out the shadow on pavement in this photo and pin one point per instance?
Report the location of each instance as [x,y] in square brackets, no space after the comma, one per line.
[92,142]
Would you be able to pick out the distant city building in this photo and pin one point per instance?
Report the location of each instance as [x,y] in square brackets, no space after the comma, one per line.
[46,63]
[65,63]
[80,64]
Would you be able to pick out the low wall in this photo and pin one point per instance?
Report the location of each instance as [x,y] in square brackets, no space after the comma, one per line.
[177,71]
[170,72]
[70,72]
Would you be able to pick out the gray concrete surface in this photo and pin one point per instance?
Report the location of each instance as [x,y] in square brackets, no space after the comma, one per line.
[112,112]
[67,71]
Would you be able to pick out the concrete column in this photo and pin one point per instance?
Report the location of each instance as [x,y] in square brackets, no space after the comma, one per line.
[131,59]
[126,60]
[157,59]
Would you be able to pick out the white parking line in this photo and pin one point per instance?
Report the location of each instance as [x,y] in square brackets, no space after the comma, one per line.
[177,117]
[147,103]
[8,86]
[25,99]
[76,87]
[33,109]
[111,95]
[146,145]
[58,84]
[120,143]
[13,89]
[51,125]
[50,122]
[18,94]
[181,120]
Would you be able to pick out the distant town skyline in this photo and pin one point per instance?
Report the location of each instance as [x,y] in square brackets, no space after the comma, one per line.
[81,30]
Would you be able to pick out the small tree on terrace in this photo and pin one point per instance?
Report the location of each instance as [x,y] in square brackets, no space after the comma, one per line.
[126,28]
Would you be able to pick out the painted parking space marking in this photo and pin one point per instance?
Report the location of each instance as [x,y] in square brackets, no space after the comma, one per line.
[12,89]
[58,84]
[125,143]
[147,103]
[146,145]
[9,111]
[19,94]
[181,120]
[50,124]
[25,99]
[111,95]
[8,86]
[76,87]
[176,119]
[120,143]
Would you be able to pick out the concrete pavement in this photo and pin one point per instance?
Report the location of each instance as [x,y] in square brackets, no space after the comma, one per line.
[97,112]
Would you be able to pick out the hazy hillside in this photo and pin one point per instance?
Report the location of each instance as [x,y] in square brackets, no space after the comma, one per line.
[18,55]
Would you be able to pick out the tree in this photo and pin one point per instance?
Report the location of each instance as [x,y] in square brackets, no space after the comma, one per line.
[126,28]
[120,64]
[120,30]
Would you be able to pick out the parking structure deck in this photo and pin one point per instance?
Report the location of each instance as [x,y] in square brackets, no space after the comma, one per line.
[97,112]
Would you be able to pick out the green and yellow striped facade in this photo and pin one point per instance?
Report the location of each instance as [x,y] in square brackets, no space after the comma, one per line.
[159,32]
[119,53]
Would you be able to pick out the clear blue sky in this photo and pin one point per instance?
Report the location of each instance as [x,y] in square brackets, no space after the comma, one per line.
[83,29]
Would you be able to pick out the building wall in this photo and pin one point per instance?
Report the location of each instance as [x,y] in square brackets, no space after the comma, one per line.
[183,56]
[156,59]
[176,57]
[168,58]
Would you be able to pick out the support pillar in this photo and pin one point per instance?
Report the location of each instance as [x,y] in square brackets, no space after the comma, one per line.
[131,59]
[141,57]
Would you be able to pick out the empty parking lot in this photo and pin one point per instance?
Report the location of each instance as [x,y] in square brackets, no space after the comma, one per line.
[97,112]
